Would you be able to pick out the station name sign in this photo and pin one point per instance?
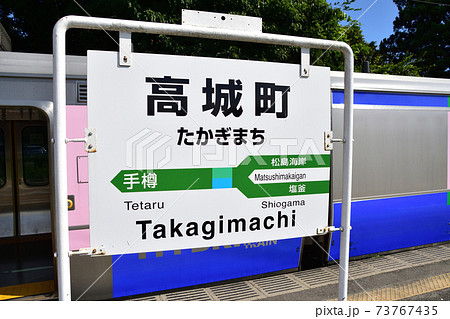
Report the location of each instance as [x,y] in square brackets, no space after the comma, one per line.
[197,152]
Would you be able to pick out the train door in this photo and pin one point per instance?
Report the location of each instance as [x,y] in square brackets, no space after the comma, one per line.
[25,218]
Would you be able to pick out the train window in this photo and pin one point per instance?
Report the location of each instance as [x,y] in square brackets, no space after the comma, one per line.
[35,155]
[2,159]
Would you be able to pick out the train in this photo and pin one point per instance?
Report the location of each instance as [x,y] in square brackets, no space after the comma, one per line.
[400,195]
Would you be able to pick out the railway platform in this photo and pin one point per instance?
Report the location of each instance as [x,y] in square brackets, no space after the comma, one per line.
[419,274]
[408,275]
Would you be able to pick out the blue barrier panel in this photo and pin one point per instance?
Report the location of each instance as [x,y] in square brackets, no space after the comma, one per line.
[174,269]
[393,223]
[400,99]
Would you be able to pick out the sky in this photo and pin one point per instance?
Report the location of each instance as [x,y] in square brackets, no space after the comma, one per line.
[377,22]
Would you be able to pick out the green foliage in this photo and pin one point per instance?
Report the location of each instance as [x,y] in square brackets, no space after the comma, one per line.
[406,67]
[30,24]
[420,39]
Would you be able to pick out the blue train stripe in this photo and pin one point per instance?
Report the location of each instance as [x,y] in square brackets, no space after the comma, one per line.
[173,269]
[393,223]
[400,99]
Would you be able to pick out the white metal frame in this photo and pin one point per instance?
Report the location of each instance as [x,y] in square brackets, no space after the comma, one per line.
[126,26]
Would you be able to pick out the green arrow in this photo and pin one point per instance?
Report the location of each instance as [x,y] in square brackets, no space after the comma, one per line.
[167,180]
[202,178]
[251,163]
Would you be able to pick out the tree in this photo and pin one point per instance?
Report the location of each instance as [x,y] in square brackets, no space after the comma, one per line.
[404,67]
[421,38]
[30,22]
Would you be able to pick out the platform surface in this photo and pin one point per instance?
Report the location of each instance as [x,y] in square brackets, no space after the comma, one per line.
[419,274]
[405,275]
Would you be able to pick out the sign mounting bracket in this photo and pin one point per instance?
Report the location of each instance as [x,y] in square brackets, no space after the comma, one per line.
[329,140]
[125,48]
[304,62]
[89,140]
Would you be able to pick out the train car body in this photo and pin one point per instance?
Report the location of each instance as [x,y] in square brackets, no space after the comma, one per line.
[400,184]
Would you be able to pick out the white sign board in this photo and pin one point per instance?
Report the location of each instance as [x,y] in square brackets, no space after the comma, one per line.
[199,152]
